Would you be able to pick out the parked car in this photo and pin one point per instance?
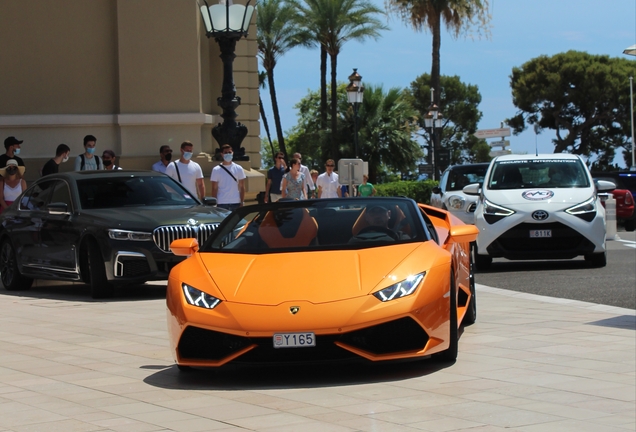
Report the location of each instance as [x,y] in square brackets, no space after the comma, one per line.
[400,288]
[449,194]
[539,207]
[624,194]
[105,228]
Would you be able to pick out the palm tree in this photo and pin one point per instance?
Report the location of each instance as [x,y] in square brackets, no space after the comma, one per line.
[276,34]
[429,14]
[331,23]
[261,84]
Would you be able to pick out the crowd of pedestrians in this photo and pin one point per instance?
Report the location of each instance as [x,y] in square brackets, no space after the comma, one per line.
[294,181]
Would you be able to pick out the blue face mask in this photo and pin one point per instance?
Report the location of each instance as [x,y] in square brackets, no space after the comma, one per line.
[90,150]
[227,157]
[187,155]
[16,151]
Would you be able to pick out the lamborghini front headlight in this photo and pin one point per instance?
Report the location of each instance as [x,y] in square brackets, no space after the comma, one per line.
[400,289]
[198,298]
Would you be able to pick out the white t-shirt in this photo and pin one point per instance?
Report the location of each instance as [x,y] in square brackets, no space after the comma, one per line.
[227,191]
[329,185]
[304,170]
[189,173]
[159,167]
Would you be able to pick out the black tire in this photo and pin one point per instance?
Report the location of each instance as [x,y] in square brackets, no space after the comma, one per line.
[450,354]
[482,262]
[100,288]
[11,277]
[471,310]
[184,368]
[596,260]
[630,224]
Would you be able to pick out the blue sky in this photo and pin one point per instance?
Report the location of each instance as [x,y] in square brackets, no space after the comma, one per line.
[520,30]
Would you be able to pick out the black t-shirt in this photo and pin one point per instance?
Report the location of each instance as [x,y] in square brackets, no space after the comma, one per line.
[50,168]
[4,158]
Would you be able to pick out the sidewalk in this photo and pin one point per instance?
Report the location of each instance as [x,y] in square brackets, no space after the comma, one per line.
[529,364]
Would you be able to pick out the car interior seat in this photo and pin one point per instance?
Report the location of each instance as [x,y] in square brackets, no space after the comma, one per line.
[396,222]
[288,228]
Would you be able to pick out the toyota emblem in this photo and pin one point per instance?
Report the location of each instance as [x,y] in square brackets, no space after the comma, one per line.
[540,215]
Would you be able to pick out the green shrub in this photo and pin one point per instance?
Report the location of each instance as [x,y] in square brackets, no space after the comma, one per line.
[420,191]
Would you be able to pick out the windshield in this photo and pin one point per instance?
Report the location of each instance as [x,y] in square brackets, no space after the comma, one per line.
[132,191]
[327,224]
[461,176]
[538,173]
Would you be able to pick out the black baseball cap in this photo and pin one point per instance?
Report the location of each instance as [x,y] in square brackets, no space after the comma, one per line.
[11,141]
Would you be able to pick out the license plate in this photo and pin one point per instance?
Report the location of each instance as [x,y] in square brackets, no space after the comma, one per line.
[540,233]
[294,340]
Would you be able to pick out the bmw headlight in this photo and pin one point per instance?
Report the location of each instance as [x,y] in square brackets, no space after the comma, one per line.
[400,289]
[456,202]
[198,298]
[117,234]
[586,210]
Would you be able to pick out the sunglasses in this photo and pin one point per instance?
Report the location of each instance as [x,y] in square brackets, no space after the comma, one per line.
[330,166]
[279,157]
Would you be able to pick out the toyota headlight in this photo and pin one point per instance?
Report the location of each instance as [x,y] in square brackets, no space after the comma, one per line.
[456,202]
[198,298]
[400,289]
[495,210]
[117,234]
[585,210]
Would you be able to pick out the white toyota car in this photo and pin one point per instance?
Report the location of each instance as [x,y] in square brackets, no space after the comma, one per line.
[539,207]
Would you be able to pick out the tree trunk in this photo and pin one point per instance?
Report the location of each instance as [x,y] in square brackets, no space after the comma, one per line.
[279,128]
[334,108]
[435,84]
[323,88]
[269,136]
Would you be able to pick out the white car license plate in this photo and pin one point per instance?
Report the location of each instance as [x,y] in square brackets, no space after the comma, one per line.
[540,233]
[294,340]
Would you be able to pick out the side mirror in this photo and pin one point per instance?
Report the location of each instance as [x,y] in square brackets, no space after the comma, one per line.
[472,189]
[209,201]
[57,208]
[463,234]
[184,247]
[604,186]
[436,190]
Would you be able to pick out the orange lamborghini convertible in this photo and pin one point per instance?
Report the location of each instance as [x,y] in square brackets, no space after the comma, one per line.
[319,280]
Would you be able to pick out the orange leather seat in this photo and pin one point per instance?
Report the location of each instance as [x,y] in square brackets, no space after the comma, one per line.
[397,216]
[288,228]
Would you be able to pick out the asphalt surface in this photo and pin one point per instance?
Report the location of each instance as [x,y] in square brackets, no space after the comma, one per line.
[613,285]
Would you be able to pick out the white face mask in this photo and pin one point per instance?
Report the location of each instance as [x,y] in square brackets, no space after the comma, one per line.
[187,155]
[16,151]
[227,157]
[65,159]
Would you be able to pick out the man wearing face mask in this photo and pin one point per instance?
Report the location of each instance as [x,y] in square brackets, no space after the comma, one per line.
[228,181]
[165,153]
[187,172]
[12,145]
[88,161]
[53,165]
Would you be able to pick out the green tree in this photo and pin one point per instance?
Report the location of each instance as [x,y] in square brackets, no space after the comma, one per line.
[583,97]
[333,23]
[276,34]
[460,113]
[261,84]
[458,15]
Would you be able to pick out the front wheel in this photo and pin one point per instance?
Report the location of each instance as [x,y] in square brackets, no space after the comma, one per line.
[11,277]
[450,354]
[100,288]
[471,311]
[482,262]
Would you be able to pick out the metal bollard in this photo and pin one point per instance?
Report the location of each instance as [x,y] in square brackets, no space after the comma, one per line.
[610,218]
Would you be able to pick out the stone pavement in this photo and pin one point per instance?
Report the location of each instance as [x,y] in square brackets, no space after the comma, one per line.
[68,363]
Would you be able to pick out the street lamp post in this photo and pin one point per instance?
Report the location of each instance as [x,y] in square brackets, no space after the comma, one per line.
[227,23]
[433,120]
[631,51]
[355,94]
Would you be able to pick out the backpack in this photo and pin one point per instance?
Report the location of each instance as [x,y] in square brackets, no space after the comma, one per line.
[97,161]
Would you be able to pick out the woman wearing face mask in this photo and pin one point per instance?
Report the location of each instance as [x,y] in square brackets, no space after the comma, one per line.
[12,183]
[53,165]
[109,160]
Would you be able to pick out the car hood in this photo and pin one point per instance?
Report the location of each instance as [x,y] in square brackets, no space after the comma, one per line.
[556,198]
[317,276]
[148,218]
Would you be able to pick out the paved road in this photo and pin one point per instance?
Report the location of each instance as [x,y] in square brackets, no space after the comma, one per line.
[613,285]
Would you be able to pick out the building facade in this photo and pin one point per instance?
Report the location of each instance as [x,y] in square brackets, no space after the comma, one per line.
[137,74]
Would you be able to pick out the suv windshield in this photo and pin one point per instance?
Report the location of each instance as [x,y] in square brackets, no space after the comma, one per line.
[132,191]
[325,224]
[552,173]
[461,176]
